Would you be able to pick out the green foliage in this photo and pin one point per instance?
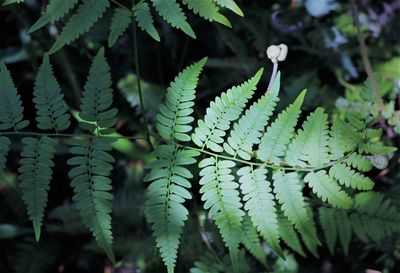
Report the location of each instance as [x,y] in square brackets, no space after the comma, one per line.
[55,10]
[49,101]
[35,175]
[119,23]
[251,240]
[4,149]
[11,110]
[208,10]
[144,19]
[87,14]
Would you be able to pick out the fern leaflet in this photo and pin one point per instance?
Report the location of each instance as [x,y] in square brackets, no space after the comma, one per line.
[55,10]
[171,11]
[11,110]
[4,149]
[87,14]
[208,10]
[144,19]
[35,175]
[350,178]
[251,240]
[230,4]
[49,101]
[119,23]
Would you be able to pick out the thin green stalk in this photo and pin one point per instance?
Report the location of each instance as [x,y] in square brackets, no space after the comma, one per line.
[365,59]
[120,5]
[137,70]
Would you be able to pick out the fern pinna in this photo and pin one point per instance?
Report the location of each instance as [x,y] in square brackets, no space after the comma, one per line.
[91,160]
[85,13]
[250,169]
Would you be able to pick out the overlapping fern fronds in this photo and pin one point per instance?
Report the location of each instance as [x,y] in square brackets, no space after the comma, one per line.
[248,165]
[91,160]
[89,12]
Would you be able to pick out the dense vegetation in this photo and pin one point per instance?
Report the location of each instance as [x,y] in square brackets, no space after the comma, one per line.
[201,136]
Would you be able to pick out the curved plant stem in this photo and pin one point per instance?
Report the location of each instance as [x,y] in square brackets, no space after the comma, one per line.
[273,76]
[365,59]
[137,70]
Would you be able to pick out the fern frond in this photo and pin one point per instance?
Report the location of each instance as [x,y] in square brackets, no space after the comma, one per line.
[49,101]
[273,143]
[35,175]
[119,23]
[344,229]
[55,10]
[288,193]
[8,2]
[174,117]
[11,110]
[328,224]
[219,191]
[350,178]
[359,162]
[144,19]
[208,10]
[327,189]
[377,148]
[97,97]
[247,131]
[311,142]
[91,166]
[343,138]
[251,240]
[222,111]
[289,235]
[165,195]
[256,190]
[4,149]
[230,4]
[171,11]
[87,14]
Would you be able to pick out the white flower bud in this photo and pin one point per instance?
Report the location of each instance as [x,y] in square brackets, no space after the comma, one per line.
[283,53]
[273,52]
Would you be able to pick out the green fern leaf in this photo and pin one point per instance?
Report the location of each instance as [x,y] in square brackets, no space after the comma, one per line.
[55,10]
[327,189]
[207,264]
[164,198]
[288,193]
[311,143]
[289,235]
[344,229]
[91,166]
[219,191]
[251,240]
[247,131]
[144,19]
[230,4]
[174,117]
[273,143]
[49,101]
[4,149]
[376,148]
[260,205]
[11,110]
[171,11]
[343,138]
[119,23]
[87,14]
[221,113]
[208,10]
[35,175]
[328,223]
[359,162]
[350,178]
[97,97]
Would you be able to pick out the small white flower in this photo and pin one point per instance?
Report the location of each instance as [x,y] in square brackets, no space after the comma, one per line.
[277,53]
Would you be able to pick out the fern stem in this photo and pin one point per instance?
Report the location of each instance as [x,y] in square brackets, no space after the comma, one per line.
[120,5]
[282,166]
[273,76]
[365,59]
[137,70]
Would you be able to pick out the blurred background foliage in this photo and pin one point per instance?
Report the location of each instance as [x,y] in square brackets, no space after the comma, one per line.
[324,56]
